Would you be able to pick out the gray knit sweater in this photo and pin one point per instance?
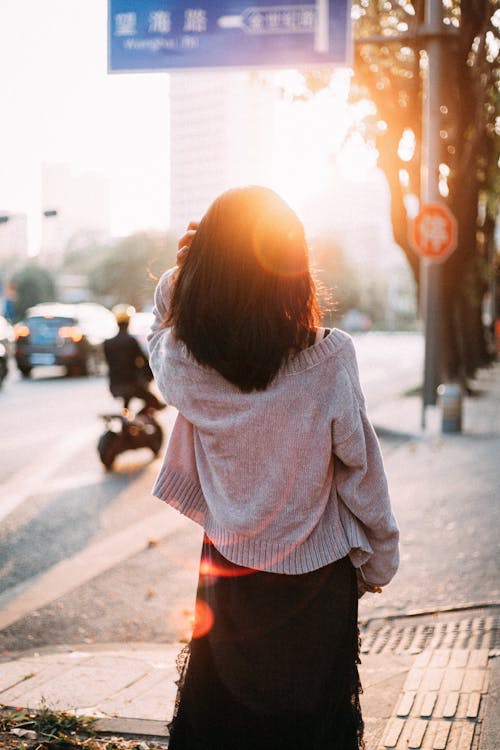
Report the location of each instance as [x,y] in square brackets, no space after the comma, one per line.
[287,479]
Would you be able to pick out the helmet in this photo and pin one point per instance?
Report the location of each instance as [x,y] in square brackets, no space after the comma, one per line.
[123,313]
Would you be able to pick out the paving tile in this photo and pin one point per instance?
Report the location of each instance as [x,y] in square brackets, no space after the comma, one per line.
[140,687]
[486,681]
[418,731]
[428,705]
[466,737]
[452,679]
[84,684]
[454,737]
[414,679]
[459,657]
[381,639]
[28,693]
[440,704]
[13,672]
[437,638]
[451,636]
[473,705]
[440,658]
[432,679]
[473,680]
[479,658]
[463,703]
[156,702]
[451,704]
[405,704]
[441,735]
[393,732]
[423,659]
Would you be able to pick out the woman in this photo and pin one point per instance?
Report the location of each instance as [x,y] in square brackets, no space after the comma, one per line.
[273,454]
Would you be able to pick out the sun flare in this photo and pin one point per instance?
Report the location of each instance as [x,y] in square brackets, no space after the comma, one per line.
[314,143]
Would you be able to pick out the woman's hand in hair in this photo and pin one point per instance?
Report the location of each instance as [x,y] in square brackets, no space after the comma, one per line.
[185,241]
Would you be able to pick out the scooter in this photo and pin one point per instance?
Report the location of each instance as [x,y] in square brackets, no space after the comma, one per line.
[127,431]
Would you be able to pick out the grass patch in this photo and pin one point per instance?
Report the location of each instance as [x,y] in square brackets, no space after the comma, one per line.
[48,729]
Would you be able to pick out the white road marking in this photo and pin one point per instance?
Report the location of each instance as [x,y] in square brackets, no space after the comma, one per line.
[37,471]
[68,574]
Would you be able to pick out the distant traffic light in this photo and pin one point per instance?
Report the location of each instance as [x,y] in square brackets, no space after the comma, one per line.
[50,213]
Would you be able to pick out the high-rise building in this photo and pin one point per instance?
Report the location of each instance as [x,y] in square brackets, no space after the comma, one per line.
[221,137]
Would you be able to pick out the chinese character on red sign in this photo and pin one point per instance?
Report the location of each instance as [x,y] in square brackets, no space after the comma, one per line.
[433,232]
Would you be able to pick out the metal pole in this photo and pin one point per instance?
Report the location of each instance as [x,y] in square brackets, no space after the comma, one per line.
[429,270]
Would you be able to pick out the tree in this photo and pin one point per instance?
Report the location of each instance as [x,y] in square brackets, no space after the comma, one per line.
[32,284]
[129,271]
[338,284]
[390,66]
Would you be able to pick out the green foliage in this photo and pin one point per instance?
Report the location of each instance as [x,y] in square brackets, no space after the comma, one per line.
[391,69]
[60,730]
[129,271]
[33,284]
[84,259]
[338,283]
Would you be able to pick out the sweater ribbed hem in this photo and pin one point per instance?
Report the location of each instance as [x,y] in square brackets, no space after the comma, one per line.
[322,547]
[181,493]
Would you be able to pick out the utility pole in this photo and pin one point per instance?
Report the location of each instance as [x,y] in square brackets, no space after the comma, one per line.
[430,271]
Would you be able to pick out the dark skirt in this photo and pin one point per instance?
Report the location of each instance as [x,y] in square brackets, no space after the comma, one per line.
[272,662]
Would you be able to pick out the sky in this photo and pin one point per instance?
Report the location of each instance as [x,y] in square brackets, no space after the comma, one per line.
[60,105]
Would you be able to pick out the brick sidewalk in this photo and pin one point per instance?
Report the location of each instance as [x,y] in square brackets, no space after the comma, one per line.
[419,694]
[440,702]
[441,665]
[431,680]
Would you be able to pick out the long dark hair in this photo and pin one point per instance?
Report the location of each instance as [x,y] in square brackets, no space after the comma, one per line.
[244,297]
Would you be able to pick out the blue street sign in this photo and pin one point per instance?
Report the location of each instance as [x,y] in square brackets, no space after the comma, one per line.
[174,34]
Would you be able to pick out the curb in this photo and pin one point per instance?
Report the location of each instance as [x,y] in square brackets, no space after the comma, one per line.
[153,730]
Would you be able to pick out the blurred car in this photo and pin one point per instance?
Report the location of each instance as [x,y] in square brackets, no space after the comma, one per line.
[355,321]
[71,335]
[6,341]
[139,327]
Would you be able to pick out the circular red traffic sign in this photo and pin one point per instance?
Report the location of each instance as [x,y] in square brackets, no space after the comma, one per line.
[433,232]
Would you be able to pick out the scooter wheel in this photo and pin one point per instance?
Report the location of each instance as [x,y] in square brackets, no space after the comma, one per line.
[106,448]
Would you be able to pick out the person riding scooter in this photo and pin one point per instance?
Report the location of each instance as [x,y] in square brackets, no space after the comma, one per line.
[128,366]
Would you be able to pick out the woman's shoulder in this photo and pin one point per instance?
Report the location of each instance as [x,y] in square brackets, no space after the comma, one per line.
[336,341]
[336,345]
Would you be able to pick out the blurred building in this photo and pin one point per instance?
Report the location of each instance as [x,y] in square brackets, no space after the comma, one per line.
[357,216]
[73,206]
[221,137]
[13,237]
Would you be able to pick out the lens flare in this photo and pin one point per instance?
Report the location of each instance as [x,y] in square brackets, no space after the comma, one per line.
[288,261]
[203,619]
[209,569]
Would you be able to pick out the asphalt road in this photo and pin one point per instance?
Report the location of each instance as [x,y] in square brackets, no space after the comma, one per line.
[91,556]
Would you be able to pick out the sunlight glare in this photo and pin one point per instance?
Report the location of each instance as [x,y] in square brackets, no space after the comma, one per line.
[407,144]
[356,159]
[310,140]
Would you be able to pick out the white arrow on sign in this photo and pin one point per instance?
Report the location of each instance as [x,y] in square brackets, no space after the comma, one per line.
[306,18]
